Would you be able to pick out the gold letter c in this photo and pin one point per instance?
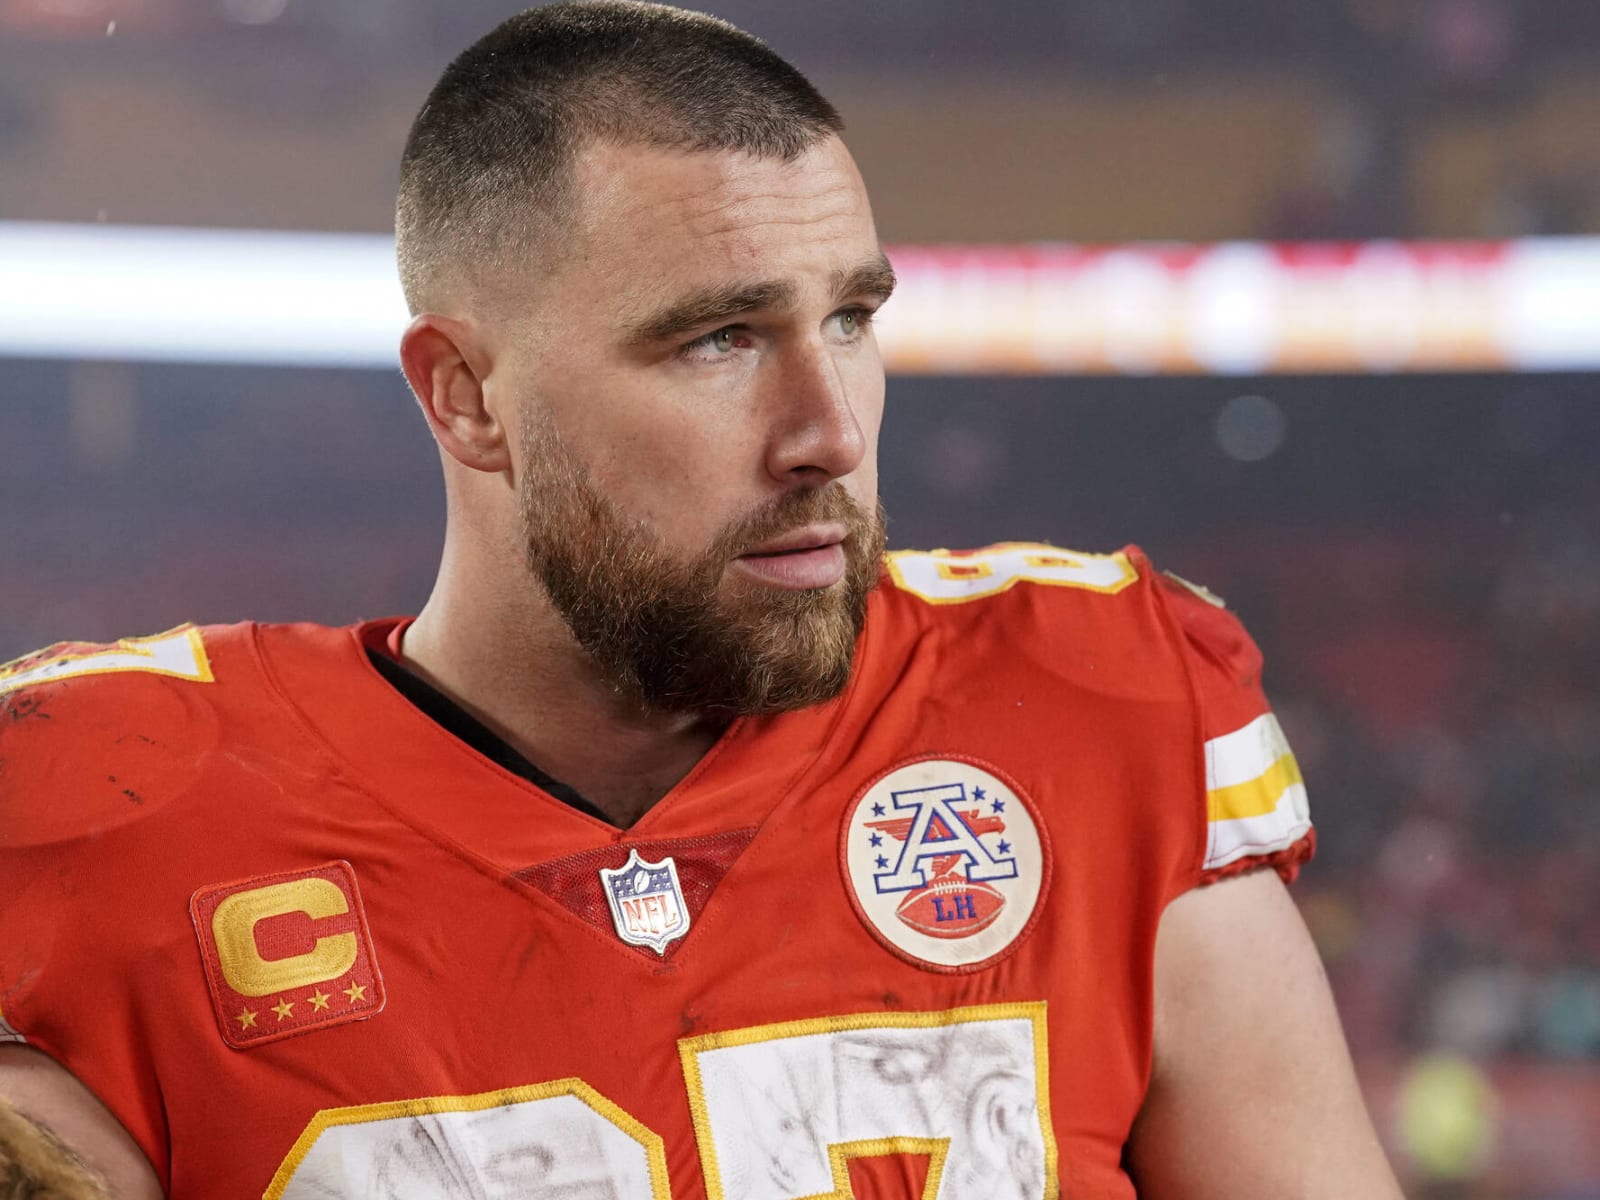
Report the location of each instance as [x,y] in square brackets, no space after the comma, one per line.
[234,923]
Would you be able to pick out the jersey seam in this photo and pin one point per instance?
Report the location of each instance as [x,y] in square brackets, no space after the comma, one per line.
[357,778]
[453,744]
[1200,761]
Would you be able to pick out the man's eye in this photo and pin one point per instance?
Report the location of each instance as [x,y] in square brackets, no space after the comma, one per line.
[852,321]
[717,342]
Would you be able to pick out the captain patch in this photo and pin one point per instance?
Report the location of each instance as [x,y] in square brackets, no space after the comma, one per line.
[287,953]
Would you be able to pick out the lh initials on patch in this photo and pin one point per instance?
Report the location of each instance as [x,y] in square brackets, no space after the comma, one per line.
[945,861]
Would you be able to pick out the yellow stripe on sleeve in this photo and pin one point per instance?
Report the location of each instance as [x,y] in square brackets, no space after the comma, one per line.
[1254,797]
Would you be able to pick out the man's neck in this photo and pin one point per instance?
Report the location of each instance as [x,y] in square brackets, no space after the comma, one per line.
[530,683]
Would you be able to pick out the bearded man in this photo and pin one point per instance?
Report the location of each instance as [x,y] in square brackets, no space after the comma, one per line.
[684,844]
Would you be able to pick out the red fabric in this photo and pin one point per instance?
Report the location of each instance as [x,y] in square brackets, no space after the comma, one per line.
[888,1176]
[122,795]
[574,881]
[1225,669]
[1224,661]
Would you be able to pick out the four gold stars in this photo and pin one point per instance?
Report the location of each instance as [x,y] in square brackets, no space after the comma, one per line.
[318,999]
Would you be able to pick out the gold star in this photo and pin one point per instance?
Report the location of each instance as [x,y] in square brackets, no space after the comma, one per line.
[356,991]
[283,1008]
[319,1000]
[246,1018]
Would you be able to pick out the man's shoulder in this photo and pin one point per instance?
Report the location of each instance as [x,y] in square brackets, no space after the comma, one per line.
[97,735]
[1112,617]
[1051,586]
[1027,597]
[115,673]
[952,578]
[84,681]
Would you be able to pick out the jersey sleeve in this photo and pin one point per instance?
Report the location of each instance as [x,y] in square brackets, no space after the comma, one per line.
[1257,813]
[97,742]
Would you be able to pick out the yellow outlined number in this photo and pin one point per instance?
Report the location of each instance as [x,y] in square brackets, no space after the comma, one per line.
[946,577]
[780,1111]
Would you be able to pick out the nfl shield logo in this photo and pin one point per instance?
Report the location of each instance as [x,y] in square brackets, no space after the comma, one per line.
[646,902]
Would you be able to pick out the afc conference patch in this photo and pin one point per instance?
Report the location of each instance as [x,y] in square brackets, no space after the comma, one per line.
[945,861]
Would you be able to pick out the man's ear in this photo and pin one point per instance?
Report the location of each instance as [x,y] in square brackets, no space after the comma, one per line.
[447,367]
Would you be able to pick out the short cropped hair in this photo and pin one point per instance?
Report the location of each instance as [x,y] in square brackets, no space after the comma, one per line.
[487,166]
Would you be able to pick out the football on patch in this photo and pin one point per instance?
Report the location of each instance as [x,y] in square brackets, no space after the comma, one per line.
[951,907]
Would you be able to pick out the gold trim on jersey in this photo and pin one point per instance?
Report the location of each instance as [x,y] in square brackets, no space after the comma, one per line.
[1258,796]
[840,1154]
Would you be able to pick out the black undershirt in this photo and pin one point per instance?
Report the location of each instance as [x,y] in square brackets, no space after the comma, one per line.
[458,722]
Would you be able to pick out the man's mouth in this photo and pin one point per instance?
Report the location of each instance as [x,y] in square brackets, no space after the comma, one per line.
[804,559]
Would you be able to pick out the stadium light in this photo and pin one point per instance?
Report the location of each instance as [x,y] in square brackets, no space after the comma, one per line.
[323,299]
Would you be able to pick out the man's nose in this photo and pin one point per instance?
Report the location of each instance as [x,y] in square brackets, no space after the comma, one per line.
[817,434]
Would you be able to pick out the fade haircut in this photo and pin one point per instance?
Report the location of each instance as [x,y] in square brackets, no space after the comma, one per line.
[487,171]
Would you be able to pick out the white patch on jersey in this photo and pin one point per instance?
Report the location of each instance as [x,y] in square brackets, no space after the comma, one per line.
[1255,798]
[945,862]
[779,1111]
[564,1145]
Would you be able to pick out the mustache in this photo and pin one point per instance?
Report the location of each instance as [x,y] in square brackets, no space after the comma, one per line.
[790,511]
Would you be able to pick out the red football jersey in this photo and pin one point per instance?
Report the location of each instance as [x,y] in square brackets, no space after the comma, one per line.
[306,943]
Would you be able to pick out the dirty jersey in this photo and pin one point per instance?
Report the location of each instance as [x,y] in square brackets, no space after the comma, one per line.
[305,943]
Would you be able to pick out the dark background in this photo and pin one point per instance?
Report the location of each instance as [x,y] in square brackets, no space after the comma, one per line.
[1419,556]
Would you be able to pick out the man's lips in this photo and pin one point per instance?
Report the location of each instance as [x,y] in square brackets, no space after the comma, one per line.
[807,558]
[808,537]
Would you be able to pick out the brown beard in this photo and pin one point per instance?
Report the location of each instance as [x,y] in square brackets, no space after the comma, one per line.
[659,627]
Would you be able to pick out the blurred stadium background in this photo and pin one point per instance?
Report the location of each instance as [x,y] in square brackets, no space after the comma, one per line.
[1295,293]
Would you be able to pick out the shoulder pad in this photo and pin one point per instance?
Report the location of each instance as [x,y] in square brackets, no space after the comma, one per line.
[95,736]
[1212,632]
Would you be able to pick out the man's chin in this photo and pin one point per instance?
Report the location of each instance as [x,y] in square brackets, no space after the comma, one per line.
[769,613]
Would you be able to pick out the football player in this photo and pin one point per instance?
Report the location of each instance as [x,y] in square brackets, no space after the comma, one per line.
[685,844]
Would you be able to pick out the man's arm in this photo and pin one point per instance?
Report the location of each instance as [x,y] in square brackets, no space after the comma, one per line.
[58,1142]
[1252,1092]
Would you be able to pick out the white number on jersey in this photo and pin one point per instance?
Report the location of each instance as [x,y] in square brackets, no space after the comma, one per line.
[944,577]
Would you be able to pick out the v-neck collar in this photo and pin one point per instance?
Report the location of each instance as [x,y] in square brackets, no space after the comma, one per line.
[443,787]
[458,722]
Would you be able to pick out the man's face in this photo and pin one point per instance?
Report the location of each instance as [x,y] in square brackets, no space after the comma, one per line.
[699,397]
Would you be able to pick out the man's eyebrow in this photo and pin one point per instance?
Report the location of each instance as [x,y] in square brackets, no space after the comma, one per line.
[718,305]
[872,278]
[708,306]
